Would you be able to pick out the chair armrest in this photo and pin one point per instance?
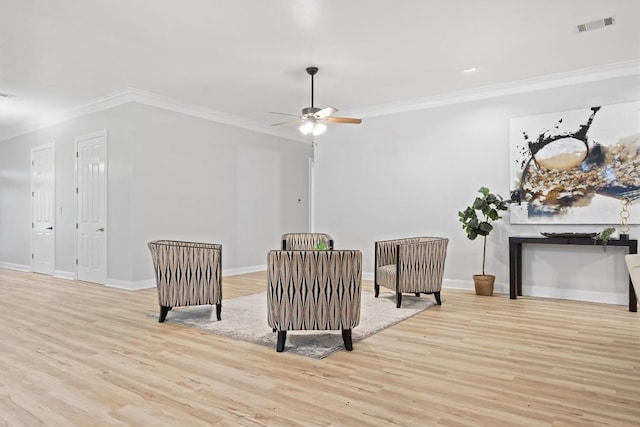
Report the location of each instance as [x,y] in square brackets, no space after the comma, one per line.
[386,252]
[422,261]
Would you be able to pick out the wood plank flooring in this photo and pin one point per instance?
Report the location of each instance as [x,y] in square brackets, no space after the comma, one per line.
[78,354]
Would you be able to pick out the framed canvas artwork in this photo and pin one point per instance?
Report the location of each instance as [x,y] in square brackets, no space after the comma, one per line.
[576,167]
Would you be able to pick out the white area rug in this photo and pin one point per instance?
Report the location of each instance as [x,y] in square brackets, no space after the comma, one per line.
[245,319]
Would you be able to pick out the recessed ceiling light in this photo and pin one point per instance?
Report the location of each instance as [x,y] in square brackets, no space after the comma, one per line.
[469,70]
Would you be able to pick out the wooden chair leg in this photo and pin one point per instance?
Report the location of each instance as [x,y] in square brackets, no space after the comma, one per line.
[399,303]
[163,313]
[282,337]
[219,310]
[376,290]
[346,338]
[438,300]
[417,294]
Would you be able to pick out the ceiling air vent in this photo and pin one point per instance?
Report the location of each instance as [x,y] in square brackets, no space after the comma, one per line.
[593,25]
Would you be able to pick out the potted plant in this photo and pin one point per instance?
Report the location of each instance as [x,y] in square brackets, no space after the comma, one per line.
[476,221]
[604,237]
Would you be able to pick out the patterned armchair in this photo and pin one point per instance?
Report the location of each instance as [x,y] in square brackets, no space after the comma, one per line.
[187,273]
[411,265]
[305,241]
[313,290]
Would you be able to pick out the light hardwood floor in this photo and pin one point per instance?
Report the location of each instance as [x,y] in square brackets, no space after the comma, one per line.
[77,354]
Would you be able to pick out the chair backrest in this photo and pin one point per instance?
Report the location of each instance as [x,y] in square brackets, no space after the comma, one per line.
[187,273]
[305,241]
[314,290]
[386,250]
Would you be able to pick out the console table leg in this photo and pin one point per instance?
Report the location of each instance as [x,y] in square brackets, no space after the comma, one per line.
[519,269]
[512,270]
[515,270]
[633,298]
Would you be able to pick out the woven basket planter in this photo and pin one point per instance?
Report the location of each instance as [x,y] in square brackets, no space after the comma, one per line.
[484,284]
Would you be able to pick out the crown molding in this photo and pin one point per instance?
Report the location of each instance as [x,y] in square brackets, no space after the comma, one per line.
[127,95]
[159,101]
[587,75]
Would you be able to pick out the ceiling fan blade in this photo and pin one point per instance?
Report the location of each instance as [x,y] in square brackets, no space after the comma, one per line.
[325,112]
[343,120]
[286,123]
[283,114]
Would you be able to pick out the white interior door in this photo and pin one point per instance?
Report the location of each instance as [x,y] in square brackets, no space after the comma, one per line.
[91,152]
[43,209]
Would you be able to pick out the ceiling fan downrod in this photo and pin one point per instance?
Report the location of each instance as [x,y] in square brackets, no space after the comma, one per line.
[312,72]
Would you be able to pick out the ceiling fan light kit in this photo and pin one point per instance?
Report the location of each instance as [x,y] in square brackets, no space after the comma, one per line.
[314,128]
[312,120]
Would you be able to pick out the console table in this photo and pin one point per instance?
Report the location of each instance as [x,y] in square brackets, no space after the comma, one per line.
[515,259]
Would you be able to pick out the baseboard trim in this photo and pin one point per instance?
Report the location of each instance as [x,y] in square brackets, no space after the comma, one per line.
[538,291]
[129,285]
[546,292]
[151,283]
[18,267]
[467,285]
[499,288]
[61,274]
[243,270]
[576,295]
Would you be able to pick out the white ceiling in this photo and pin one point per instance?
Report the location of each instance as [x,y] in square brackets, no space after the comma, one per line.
[248,57]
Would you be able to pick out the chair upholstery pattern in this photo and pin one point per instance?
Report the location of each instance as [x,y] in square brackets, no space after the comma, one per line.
[314,290]
[305,241]
[410,265]
[633,265]
[187,273]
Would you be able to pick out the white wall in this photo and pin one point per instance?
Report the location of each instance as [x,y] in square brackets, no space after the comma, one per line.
[180,177]
[170,176]
[408,174]
[15,203]
[203,181]
[15,217]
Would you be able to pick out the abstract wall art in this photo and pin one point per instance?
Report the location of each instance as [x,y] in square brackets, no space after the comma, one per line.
[576,167]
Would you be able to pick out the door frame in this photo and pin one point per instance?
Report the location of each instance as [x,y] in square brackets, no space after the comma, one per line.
[78,140]
[51,146]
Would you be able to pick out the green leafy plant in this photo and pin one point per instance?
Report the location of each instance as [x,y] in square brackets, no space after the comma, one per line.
[604,236]
[476,219]
[322,246]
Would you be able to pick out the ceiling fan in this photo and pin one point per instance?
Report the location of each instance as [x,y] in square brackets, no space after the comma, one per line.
[312,118]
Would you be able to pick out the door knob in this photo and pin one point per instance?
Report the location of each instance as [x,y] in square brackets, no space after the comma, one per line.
[100,229]
[50,228]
